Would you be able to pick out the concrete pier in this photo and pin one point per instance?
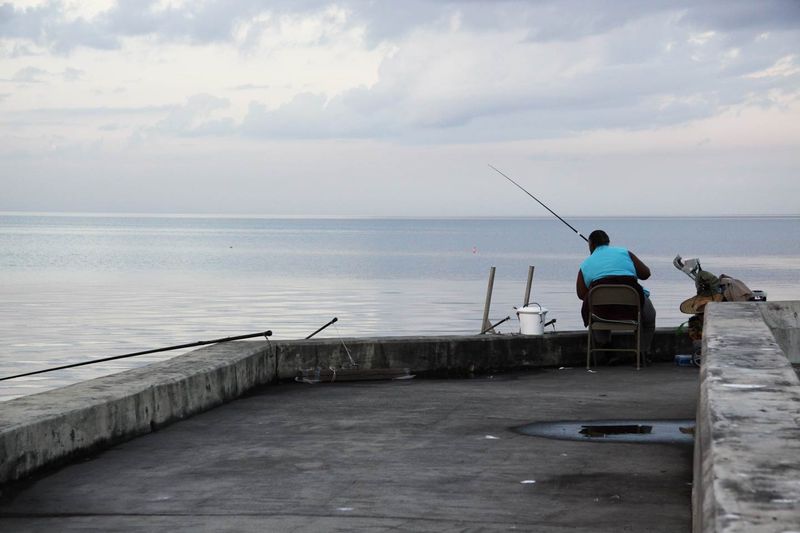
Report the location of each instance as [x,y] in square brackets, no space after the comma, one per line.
[783,320]
[419,455]
[44,430]
[425,455]
[747,451]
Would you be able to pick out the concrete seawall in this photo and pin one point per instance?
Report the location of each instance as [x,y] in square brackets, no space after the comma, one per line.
[747,473]
[783,320]
[53,427]
[44,430]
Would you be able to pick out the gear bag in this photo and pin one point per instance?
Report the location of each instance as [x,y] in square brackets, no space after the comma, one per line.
[734,290]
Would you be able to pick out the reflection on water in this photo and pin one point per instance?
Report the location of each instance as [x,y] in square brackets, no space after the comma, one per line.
[667,431]
[67,323]
[75,289]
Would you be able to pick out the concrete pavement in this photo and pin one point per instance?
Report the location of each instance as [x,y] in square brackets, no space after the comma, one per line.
[419,455]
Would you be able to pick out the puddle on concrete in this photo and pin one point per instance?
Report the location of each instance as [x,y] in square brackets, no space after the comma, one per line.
[672,431]
[594,430]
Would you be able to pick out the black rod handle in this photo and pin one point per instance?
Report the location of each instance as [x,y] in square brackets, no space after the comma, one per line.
[495,325]
[323,327]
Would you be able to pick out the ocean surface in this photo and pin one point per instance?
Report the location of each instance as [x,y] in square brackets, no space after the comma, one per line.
[81,287]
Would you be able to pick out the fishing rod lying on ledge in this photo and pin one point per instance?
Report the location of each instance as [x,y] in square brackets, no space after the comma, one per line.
[265,334]
[323,327]
[495,325]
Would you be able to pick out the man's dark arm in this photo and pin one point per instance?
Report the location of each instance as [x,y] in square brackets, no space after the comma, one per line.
[642,271]
[580,286]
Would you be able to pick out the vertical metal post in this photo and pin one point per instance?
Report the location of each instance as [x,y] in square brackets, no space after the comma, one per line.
[486,325]
[528,287]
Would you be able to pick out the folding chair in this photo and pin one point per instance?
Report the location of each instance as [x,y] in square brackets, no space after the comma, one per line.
[625,302]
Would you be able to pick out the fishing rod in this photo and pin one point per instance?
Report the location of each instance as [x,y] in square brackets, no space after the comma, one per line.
[265,334]
[540,203]
[323,327]
[495,325]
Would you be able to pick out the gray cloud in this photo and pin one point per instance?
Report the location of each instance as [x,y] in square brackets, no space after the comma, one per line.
[193,118]
[634,87]
[546,20]
[201,22]
[46,25]
[651,68]
[738,15]
[72,74]
[457,79]
[30,75]
[72,115]
[307,116]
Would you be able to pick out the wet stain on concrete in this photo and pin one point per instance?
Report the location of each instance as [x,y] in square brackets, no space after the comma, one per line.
[671,431]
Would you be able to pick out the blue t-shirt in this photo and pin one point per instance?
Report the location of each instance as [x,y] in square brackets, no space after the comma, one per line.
[608,261]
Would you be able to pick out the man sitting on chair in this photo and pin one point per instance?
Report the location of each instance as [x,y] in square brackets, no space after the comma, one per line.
[616,266]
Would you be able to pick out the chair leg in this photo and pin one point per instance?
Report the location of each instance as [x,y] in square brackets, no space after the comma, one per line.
[589,347]
[639,347]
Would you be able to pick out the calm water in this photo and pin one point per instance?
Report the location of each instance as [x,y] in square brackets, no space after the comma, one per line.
[73,288]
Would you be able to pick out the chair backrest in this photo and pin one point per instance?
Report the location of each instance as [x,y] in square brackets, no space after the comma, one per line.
[614,308]
[613,295]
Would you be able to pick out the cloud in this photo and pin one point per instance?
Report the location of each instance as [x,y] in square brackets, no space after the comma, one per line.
[784,67]
[196,118]
[48,25]
[745,16]
[450,86]
[463,71]
[308,116]
[70,118]
[395,107]
[53,24]
[30,75]
[72,74]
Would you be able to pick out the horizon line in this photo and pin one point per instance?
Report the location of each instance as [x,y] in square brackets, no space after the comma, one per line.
[126,214]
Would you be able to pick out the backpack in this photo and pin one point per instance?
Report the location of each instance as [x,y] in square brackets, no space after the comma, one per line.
[706,283]
[734,290]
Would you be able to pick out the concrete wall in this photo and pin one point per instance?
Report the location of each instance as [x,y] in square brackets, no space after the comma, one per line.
[747,446]
[44,430]
[457,356]
[783,319]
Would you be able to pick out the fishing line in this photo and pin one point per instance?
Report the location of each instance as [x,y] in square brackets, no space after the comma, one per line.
[540,203]
[353,363]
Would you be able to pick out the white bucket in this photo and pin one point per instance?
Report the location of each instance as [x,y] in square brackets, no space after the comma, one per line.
[532,319]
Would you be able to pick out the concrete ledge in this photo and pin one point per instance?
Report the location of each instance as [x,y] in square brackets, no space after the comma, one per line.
[457,355]
[44,430]
[48,429]
[783,319]
[746,472]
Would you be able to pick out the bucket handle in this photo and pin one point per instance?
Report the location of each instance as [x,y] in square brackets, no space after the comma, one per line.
[541,315]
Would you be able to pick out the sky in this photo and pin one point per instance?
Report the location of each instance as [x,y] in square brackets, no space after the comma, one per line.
[379,108]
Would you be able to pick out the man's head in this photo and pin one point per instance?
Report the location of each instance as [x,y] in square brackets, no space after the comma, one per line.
[598,238]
